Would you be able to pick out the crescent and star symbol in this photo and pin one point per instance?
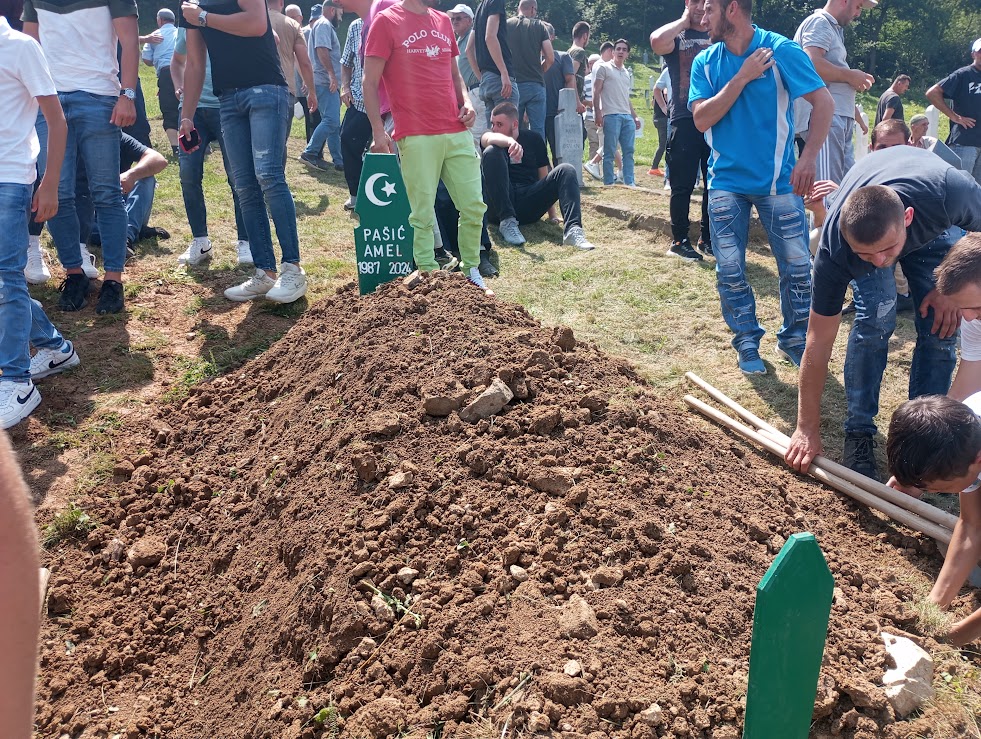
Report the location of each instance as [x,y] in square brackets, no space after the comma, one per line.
[372,195]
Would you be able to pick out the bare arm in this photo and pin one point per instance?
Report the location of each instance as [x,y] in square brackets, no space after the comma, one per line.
[828,72]
[805,444]
[967,381]
[887,113]
[177,64]
[494,49]
[823,110]
[373,68]
[935,95]
[193,79]
[31,30]
[252,21]
[548,54]
[597,101]
[472,57]
[20,595]
[127,31]
[46,198]
[662,40]
[963,553]
[661,101]
[346,73]
[151,163]
[306,70]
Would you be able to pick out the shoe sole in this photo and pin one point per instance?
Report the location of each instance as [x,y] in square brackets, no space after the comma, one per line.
[753,372]
[72,308]
[682,257]
[249,262]
[283,299]
[189,263]
[36,281]
[73,362]
[784,355]
[26,410]
[243,298]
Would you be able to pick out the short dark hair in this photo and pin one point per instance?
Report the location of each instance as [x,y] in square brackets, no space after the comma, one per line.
[961,267]
[606,45]
[869,213]
[621,41]
[506,108]
[902,78]
[744,5]
[580,29]
[932,438]
[890,127]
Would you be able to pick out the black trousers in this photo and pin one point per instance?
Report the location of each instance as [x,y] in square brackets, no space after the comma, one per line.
[528,203]
[310,120]
[550,138]
[169,104]
[687,154]
[355,139]
[661,124]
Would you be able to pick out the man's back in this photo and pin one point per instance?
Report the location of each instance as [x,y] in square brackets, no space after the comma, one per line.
[81,42]
[485,10]
[161,54]
[525,37]
[287,32]
[555,81]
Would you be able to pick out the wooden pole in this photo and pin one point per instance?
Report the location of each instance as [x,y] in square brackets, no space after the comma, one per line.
[903,516]
[931,513]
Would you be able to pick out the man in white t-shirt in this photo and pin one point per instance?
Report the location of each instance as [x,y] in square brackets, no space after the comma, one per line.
[83,39]
[25,84]
[959,278]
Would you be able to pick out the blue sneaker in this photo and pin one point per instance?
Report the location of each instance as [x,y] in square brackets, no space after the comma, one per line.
[750,362]
[792,354]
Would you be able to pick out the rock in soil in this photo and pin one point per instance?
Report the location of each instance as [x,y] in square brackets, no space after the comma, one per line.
[287,487]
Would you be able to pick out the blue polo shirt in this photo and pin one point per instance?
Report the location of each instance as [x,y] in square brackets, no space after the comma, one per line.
[753,144]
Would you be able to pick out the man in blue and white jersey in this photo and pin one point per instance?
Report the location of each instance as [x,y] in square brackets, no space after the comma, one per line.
[742,97]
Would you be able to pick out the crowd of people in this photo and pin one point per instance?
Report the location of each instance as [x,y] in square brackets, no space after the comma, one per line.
[468,101]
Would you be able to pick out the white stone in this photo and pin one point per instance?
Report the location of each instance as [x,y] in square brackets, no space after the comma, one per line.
[572,668]
[406,575]
[518,573]
[910,683]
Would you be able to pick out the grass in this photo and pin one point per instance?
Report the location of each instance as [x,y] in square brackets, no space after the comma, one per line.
[626,296]
[71,523]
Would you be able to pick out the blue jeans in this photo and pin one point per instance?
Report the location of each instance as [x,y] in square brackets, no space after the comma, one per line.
[94,142]
[138,203]
[207,122]
[618,128]
[970,160]
[532,97]
[786,228]
[875,319]
[490,93]
[22,321]
[329,130]
[255,125]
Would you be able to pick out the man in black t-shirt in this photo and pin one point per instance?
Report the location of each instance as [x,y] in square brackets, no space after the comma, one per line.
[902,204]
[679,42]
[490,56]
[256,114]
[963,88]
[890,102]
[519,188]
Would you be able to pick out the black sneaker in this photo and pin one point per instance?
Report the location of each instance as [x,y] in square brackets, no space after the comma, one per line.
[445,260]
[74,293]
[904,303]
[705,247]
[110,298]
[859,455]
[314,161]
[486,266]
[683,250]
[850,308]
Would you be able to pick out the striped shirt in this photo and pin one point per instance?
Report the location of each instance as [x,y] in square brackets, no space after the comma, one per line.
[80,42]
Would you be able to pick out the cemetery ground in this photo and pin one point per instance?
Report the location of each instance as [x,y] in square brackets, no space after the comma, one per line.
[674,549]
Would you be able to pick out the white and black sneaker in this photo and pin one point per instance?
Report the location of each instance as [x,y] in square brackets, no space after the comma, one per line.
[49,362]
[17,400]
[198,252]
[683,250]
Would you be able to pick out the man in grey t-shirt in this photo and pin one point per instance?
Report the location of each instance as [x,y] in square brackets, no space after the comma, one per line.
[822,36]
[325,55]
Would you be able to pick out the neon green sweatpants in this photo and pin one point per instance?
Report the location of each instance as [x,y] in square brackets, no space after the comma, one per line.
[452,158]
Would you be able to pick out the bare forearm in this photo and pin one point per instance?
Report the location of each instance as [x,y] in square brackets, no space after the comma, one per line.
[129,67]
[472,58]
[936,96]
[20,595]
[57,136]
[249,23]
[306,70]
[324,56]
[177,64]
[662,40]
[828,71]
[820,124]
[193,82]
[494,48]
[962,556]
[345,76]
[709,112]
[372,106]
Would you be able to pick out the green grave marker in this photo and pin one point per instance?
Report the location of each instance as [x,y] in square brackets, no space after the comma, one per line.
[383,237]
[790,624]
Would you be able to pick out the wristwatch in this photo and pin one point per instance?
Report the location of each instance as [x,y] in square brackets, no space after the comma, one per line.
[203,18]
[128,92]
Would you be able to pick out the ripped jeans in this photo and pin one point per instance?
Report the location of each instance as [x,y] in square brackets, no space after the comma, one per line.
[786,226]
[875,319]
[255,122]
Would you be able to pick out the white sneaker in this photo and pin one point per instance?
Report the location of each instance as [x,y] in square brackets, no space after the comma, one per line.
[199,251]
[576,237]
[351,203]
[593,169]
[255,287]
[88,263]
[244,253]
[510,232]
[17,400]
[49,362]
[36,272]
[667,185]
[291,285]
[474,276]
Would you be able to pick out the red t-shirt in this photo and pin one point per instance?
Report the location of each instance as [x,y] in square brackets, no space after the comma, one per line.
[419,53]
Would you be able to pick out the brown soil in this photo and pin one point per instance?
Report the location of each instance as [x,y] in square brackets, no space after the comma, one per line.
[232,588]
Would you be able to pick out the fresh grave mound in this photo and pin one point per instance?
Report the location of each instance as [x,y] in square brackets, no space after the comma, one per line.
[332,541]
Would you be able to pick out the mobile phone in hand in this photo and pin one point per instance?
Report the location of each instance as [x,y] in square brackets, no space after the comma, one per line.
[190,141]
